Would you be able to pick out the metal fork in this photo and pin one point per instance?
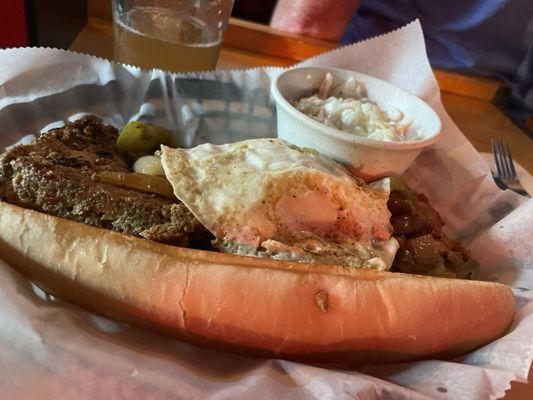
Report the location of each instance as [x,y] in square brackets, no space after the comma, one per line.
[505,171]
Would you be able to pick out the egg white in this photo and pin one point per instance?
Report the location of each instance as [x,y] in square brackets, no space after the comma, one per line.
[265,197]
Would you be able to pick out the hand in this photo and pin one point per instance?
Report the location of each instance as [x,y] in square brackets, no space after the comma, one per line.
[320,19]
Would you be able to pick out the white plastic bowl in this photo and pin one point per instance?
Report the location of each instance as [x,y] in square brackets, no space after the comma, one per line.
[366,158]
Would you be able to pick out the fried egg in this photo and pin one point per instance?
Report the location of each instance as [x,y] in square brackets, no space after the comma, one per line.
[268,198]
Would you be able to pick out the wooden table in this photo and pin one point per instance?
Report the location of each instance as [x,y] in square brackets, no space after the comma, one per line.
[467,99]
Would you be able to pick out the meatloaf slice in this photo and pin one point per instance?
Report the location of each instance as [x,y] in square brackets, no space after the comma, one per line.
[56,174]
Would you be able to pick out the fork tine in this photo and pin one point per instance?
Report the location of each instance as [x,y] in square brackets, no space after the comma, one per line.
[512,170]
[499,155]
[503,160]
[507,160]
[495,154]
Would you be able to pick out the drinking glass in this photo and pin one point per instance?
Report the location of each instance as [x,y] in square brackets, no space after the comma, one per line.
[173,35]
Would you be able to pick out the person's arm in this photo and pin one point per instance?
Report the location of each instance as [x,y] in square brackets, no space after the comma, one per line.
[321,19]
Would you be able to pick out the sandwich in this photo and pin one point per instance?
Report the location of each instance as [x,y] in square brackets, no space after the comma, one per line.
[257,247]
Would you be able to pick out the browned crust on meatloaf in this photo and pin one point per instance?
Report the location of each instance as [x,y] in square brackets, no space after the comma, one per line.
[55,174]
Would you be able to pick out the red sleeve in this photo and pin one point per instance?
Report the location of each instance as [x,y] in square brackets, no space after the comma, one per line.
[13,29]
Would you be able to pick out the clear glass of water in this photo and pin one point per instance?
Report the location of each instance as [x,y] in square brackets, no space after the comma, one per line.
[173,35]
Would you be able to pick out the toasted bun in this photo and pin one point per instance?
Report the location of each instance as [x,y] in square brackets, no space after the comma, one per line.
[314,313]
